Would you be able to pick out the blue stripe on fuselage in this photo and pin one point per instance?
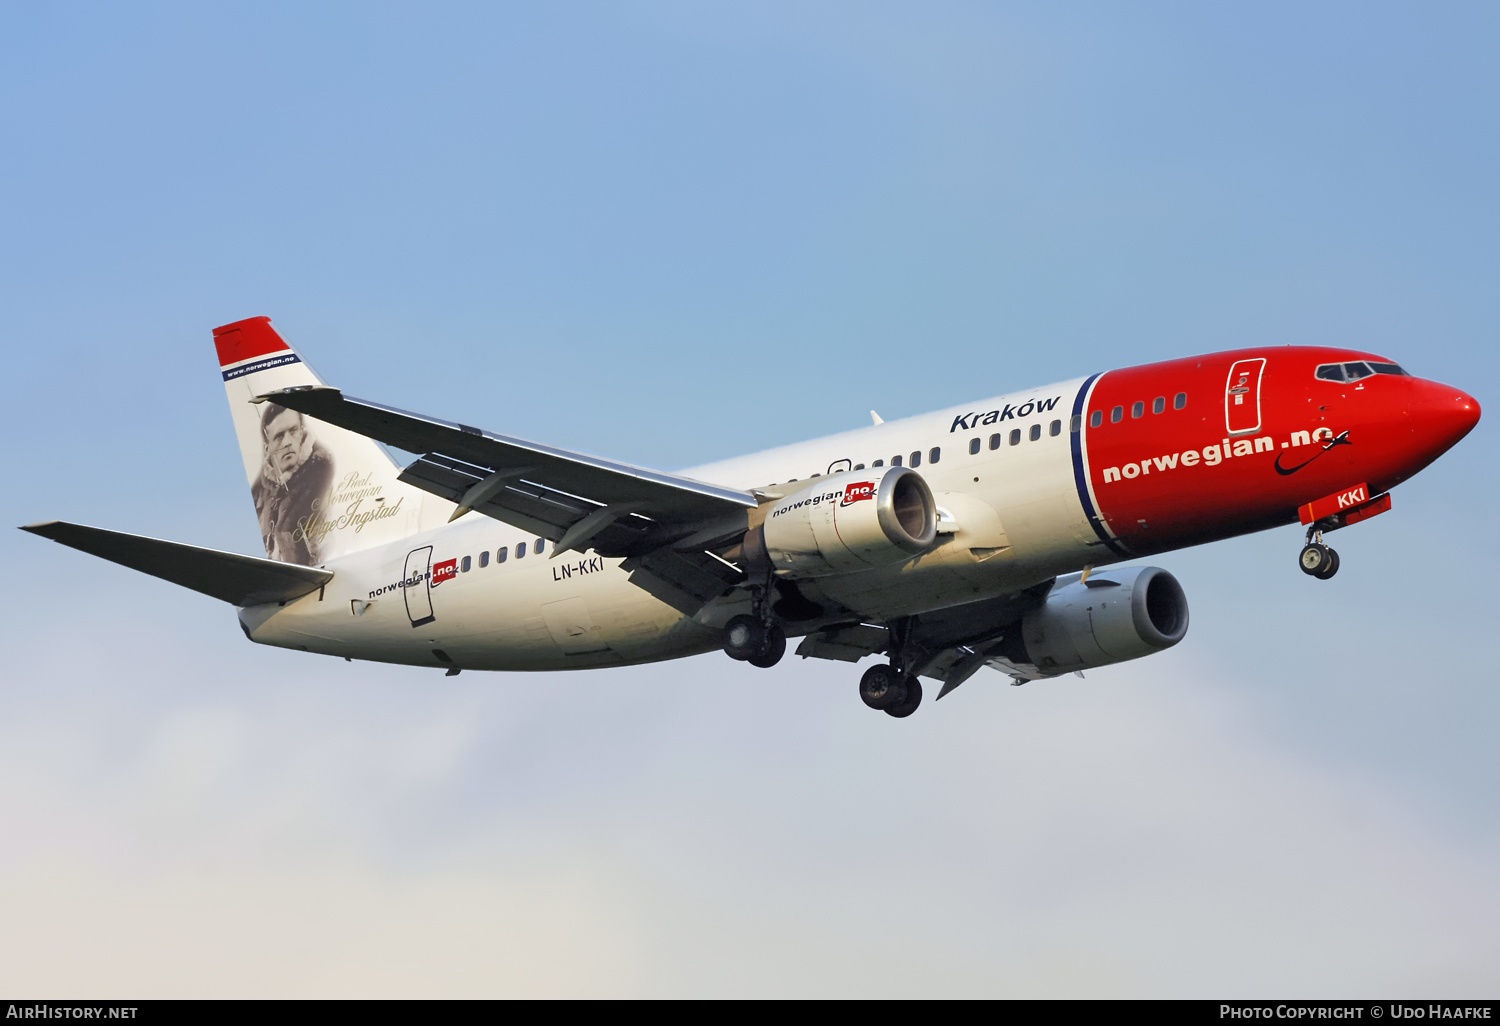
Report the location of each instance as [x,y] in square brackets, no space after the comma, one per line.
[1080,476]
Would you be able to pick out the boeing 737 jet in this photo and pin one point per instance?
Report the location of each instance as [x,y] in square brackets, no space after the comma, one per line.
[985,535]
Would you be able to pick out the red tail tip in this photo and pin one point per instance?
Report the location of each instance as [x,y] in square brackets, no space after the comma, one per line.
[247,339]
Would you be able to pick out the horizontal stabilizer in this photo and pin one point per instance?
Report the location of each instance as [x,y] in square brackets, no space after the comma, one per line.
[238,580]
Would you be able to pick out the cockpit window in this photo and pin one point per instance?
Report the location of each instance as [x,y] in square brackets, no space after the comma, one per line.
[1355,371]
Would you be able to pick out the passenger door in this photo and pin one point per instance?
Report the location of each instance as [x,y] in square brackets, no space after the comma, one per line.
[1242,397]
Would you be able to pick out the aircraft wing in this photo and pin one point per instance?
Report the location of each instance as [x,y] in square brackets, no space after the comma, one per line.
[238,580]
[663,522]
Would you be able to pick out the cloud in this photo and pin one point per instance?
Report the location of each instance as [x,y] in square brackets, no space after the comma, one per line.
[704,828]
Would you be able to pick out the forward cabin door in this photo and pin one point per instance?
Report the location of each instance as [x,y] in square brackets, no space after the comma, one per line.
[1242,397]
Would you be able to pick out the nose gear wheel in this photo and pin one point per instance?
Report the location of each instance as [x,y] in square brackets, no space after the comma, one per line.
[1316,559]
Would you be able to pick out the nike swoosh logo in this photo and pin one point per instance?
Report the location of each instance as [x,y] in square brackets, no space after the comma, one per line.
[1342,439]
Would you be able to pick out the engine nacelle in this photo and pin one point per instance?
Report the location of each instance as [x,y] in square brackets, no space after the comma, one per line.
[1113,616]
[853,520]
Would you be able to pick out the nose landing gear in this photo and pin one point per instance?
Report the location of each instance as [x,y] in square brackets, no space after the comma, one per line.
[1318,560]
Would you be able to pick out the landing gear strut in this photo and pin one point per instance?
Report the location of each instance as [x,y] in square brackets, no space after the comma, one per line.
[1318,560]
[751,640]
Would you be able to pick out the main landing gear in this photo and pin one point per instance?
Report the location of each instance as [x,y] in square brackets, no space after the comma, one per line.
[893,688]
[886,688]
[1318,560]
[751,640]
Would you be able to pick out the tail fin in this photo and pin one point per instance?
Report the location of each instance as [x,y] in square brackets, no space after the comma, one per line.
[319,491]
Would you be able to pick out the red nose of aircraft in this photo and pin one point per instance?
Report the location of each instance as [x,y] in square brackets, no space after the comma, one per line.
[1440,416]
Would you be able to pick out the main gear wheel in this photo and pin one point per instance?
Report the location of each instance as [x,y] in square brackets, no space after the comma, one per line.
[753,641]
[882,687]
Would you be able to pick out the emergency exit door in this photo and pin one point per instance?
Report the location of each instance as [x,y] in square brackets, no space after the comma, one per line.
[416,586]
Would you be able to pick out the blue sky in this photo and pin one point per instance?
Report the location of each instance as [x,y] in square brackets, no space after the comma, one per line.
[670,234]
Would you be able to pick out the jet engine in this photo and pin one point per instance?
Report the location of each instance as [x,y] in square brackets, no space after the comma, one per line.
[848,521]
[1113,616]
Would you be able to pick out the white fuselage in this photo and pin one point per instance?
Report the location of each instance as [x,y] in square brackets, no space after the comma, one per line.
[1016,506]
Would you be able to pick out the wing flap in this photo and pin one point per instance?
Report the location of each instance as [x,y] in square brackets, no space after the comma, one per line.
[227,576]
[848,643]
[531,507]
[684,580]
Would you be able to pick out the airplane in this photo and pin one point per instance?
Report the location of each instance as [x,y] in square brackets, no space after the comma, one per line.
[984,535]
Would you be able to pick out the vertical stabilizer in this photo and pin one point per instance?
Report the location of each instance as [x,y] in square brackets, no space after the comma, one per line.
[319,491]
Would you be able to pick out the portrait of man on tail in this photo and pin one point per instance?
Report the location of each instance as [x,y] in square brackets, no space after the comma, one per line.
[295,477]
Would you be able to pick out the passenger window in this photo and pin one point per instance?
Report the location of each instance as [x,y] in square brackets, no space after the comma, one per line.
[895,461]
[859,466]
[484,559]
[916,459]
[1180,401]
[973,446]
[465,564]
[1015,437]
[537,548]
[1076,424]
[1055,428]
[521,550]
[934,454]
[502,554]
[1159,404]
[994,441]
[1096,418]
[1036,432]
[1117,414]
[1136,410]
[878,463]
[1389,368]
